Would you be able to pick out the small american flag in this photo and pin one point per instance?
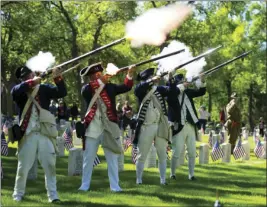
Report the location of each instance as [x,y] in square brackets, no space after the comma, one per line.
[134,154]
[96,161]
[4,147]
[210,139]
[127,143]
[217,152]
[259,149]
[222,138]
[239,150]
[168,152]
[67,135]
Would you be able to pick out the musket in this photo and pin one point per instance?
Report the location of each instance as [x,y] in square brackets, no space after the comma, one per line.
[194,59]
[49,71]
[150,60]
[208,72]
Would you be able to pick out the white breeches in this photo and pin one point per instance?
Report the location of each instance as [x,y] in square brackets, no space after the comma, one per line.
[185,136]
[40,145]
[91,147]
[147,135]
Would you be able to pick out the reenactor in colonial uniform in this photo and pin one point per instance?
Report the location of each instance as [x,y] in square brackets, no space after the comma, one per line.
[233,122]
[152,122]
[100,124]
[33,143]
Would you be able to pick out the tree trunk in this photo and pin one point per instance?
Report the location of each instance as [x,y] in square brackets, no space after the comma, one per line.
[229,89]
[250,107]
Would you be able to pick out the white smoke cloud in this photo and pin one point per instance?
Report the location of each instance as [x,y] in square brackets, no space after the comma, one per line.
[170,63]
[153,26]
[41,62]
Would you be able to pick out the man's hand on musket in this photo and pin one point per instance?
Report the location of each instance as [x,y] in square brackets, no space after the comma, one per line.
[131,70]
[186,84]
[56,72]
[202,77]
[37,80]
[155,78]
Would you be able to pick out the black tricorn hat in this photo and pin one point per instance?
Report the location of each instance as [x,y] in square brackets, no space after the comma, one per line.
[22,71]
[178,78]
[91,69]
[144,75]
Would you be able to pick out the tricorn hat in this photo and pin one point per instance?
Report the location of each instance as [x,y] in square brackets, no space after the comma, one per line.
[22,71]
[179,78]
[234,95]
[144,75]
[91,69]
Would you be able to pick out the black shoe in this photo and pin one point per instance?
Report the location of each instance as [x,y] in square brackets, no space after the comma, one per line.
[192,178]
[173,177]
[164,183]
[139,183]
[55,201]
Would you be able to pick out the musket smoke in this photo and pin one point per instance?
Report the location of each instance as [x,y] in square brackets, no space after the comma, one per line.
[41,62]
[153,26]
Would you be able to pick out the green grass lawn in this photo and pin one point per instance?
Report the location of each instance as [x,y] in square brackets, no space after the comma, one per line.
[240,183]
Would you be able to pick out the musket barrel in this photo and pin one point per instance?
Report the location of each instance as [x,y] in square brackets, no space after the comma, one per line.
[221,65]
[153,59]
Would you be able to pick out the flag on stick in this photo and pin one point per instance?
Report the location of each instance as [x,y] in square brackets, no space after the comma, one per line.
[259,149]
[67,135]
[222,138]
[127,143]
[134,154]
[4,146]
[239,150]
[217,152]
[96,161]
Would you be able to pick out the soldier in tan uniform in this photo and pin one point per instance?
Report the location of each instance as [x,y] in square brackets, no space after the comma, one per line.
[233,122]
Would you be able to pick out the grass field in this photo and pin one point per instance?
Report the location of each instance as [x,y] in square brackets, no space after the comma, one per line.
[240,183]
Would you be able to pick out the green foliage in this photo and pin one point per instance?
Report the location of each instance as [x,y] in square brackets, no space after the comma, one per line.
[69,29]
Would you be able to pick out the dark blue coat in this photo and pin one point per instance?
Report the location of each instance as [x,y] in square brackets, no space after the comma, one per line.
[174,109]
[46,93]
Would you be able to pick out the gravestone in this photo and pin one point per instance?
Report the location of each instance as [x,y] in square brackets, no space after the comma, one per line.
[215,138]
[264,145]
[204,154]
[151,160]
[32,174]
[75,161]
[207,130]
[244,133]
[60,146]
[246,147]
[226,148]
[76,141]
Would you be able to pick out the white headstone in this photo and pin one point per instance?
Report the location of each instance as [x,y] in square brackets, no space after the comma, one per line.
[76,141]
[264,145]
[204,154]
[226,148]
[182,157]
[151,160]
[32,174]
[244,133]
[207,131]
[75,162]
[61,147]
[246,147]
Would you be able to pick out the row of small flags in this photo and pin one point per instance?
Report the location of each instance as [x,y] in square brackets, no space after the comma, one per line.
[68,144]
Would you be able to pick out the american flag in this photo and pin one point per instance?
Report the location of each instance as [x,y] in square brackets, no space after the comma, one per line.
[222,138]
[67,135]
[210,139]
[239,150]
[127,143]
[4,147]
[217,152]
[134,154]
[259,149]
[96,161]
